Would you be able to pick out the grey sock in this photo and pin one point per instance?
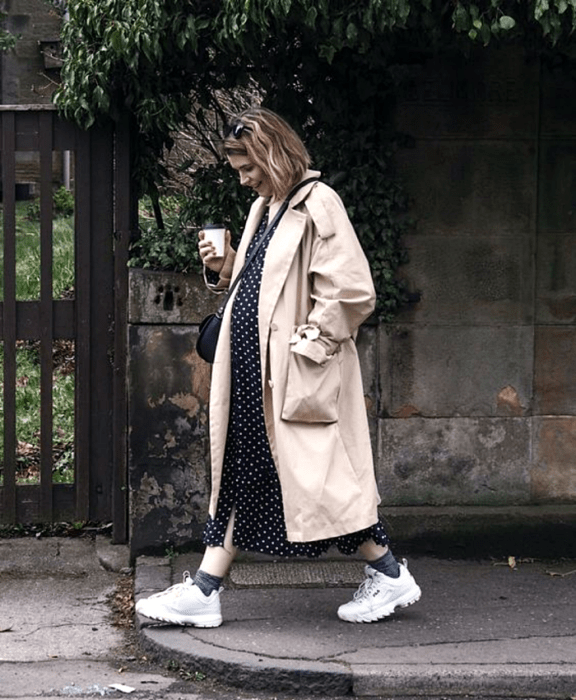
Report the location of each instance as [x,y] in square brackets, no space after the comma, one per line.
[386,565]
[206,582]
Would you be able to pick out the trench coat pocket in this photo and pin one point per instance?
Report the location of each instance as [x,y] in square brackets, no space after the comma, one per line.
[312,390]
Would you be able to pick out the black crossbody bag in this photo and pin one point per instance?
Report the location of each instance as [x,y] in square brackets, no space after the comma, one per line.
[209,329]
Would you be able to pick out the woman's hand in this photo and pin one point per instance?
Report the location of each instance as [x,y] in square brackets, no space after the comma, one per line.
[208,252]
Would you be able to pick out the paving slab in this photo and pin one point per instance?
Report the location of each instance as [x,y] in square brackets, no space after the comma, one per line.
[56,633]
[53,601]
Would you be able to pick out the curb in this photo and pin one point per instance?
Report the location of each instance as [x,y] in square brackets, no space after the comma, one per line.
[522,681]
[250,671]
[255,672]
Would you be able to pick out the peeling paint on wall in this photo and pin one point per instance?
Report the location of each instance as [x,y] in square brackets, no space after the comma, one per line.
[508,399]
[187,402]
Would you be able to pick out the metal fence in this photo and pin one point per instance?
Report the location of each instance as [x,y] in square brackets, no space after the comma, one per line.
[34,144]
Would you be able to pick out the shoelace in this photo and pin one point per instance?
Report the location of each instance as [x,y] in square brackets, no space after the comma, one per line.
[364,589]
[176,589]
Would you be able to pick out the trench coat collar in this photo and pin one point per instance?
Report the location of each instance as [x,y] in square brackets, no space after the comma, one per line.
[279,255]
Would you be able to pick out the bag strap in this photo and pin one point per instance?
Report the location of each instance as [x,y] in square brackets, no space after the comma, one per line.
[274,222]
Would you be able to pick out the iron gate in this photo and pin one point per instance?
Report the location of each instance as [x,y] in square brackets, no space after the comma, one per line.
[92,317]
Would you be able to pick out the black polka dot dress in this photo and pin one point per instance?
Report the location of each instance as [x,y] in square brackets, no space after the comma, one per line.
[249,479]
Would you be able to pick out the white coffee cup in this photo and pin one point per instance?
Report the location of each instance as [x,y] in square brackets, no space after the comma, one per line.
[216,233]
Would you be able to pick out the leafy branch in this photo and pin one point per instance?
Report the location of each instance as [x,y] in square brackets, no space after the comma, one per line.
[331,66]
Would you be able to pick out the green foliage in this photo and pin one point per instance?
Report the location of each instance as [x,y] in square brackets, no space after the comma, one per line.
[172,248]
[376,204]
[63,202]
[158,58]
[63,205]
[7,39]
[552,22]
[216,197]
[327,65]
[151,57]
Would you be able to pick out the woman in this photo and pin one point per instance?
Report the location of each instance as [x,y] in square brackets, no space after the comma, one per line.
[292,469]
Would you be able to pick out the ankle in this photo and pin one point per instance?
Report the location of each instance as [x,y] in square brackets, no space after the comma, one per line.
[207,583]
[386,565]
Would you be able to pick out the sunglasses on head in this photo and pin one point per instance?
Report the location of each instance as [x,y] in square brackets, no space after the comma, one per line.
[236,130]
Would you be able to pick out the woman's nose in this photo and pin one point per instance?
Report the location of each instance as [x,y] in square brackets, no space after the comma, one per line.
[243,178]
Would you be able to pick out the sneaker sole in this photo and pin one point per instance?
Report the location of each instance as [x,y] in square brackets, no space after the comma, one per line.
[184,620]
[381,613]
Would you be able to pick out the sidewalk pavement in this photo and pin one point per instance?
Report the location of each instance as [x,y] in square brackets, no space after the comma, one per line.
[56,636]
[481,627]
[505,628]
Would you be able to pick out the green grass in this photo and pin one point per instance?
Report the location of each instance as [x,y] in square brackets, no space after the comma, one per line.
[27,352]
[28,254]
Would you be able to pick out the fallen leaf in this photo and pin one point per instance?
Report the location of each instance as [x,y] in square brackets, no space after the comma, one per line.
[512,562]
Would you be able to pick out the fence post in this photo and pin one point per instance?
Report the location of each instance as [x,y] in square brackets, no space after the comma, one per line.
[124,221]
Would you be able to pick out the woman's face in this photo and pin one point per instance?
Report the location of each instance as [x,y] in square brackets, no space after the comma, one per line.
[251,175]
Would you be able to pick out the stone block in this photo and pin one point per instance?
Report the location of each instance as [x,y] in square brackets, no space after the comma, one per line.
[168,436]
[553,476]
[441,371]
[558,102]
[557,187]
[467,187]
[556,280]
[454,461]
[494,94]
[169,298]
[478,279]
[367,344]
[555,370]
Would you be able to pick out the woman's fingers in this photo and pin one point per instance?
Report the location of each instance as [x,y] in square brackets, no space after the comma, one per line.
[207,252]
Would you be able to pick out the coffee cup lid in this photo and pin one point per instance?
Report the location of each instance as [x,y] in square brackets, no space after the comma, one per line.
[205,226]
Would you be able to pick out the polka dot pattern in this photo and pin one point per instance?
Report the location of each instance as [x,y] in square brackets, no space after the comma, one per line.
[249,479]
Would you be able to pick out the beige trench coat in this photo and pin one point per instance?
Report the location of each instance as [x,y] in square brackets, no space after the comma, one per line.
[315,292]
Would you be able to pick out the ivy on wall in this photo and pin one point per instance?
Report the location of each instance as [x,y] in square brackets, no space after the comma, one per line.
[331,67]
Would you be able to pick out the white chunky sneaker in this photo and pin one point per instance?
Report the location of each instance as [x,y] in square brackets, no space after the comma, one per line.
[183,604]
[379,595]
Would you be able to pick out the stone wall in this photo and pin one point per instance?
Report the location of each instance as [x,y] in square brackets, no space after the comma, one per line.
[479,378]
[168,410]
[471,395]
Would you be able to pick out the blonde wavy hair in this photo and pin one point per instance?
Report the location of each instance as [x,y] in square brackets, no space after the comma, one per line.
[270,143]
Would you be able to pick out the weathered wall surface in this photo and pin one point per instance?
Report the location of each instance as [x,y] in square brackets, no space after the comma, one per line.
[168,422]
[478,379]
[472,394]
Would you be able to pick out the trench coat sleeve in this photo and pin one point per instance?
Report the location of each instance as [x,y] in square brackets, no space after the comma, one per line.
[342,292]
[224,276]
